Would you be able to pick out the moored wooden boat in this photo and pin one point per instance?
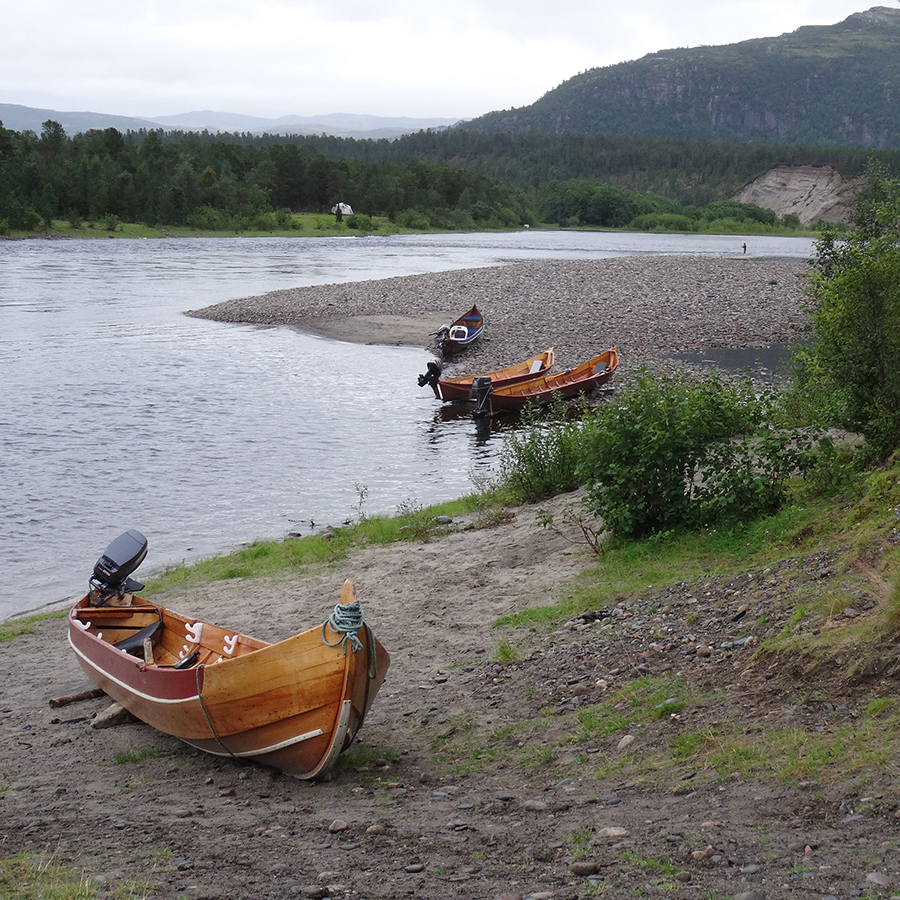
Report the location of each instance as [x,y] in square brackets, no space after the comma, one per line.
[294,705]
[578,380]
[462,332]
[461,388]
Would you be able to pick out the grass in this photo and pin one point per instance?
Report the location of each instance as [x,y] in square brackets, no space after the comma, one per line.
[327,548]
[302,225]
[28,877]
[12,628]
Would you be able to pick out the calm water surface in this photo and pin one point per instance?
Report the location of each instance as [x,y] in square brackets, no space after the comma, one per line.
[118,411]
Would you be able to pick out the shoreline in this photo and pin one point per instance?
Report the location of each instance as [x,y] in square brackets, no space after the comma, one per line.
[648,307]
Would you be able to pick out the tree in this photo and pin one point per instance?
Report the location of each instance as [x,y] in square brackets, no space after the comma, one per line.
[853,365]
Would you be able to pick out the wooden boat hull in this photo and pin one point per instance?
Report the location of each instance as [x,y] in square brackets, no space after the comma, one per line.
[462,332]
[294,705]
[579,380]
[461,388]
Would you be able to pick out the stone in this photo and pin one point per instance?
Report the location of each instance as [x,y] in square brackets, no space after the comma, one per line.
[113,715]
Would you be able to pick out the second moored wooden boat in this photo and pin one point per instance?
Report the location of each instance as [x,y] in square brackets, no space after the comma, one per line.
[294,705]
[461,388]
[579,380]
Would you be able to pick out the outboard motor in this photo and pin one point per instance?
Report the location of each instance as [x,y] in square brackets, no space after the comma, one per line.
[481,391]
[441,335]
[110,579]
[432,374]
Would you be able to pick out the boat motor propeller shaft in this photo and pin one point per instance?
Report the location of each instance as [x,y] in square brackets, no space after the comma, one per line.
[111,571]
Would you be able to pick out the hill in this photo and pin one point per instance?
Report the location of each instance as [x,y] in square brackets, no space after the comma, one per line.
[819,85]
[347,125]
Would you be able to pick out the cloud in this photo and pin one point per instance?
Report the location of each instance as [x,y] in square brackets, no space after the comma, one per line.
[394,57]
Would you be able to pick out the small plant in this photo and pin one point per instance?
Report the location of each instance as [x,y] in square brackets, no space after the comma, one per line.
[418,523]
[130,756]
[577,515]
[506,653]
[362,492]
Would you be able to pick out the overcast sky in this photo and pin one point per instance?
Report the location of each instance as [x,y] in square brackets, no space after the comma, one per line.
[419,58]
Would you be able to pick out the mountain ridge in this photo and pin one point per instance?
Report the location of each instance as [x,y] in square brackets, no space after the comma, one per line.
[819,85]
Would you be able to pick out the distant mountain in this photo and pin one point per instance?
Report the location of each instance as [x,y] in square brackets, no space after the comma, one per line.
[819,85]
[26,118]
[337,124]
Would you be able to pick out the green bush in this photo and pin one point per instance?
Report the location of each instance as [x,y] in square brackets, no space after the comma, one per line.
[664,456]
[412,218]
[853,363]
[541,458]
[362,223]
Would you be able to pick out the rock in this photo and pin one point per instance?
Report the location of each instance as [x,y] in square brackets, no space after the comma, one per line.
[314,892]
[628,739]
[813,193]
[337,825]
[113,715]
[583,869]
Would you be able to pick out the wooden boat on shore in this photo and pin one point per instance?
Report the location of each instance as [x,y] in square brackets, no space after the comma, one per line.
[461,333]
[461,388]
[581,379]
[294,705]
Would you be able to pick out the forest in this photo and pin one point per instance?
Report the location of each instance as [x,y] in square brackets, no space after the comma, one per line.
[447,180]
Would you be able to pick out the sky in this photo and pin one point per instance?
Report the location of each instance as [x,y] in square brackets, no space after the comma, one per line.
[416,58]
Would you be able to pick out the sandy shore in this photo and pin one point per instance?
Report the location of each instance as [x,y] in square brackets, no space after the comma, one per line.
[481,776]
[648,306]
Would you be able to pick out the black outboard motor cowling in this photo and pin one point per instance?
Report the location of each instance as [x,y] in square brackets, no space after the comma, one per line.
[482,389]
[432,374]
[119,560]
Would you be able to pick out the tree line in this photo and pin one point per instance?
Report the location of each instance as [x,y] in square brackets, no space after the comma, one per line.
[451,179]
[201,182]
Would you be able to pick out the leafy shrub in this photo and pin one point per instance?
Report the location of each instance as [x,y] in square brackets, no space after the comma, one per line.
[362,223]
[663,456]
[665,222]
[854,360]
[541,459]
[412,218]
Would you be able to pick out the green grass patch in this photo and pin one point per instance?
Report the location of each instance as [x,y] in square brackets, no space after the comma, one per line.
[132,756]
[12,628]
[28,877]
[293,555]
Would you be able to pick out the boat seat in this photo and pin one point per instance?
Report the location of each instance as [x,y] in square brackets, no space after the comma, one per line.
[136,641]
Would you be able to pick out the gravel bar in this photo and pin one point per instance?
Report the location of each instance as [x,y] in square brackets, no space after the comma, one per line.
[649,307]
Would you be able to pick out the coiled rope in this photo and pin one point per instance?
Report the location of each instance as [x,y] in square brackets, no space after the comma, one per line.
[346,619]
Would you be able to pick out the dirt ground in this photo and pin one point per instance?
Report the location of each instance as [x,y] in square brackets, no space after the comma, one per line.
[473,777]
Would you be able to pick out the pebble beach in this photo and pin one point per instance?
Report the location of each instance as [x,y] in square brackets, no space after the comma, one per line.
[649,307]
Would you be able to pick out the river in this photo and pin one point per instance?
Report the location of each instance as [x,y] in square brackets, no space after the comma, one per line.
[117,411]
